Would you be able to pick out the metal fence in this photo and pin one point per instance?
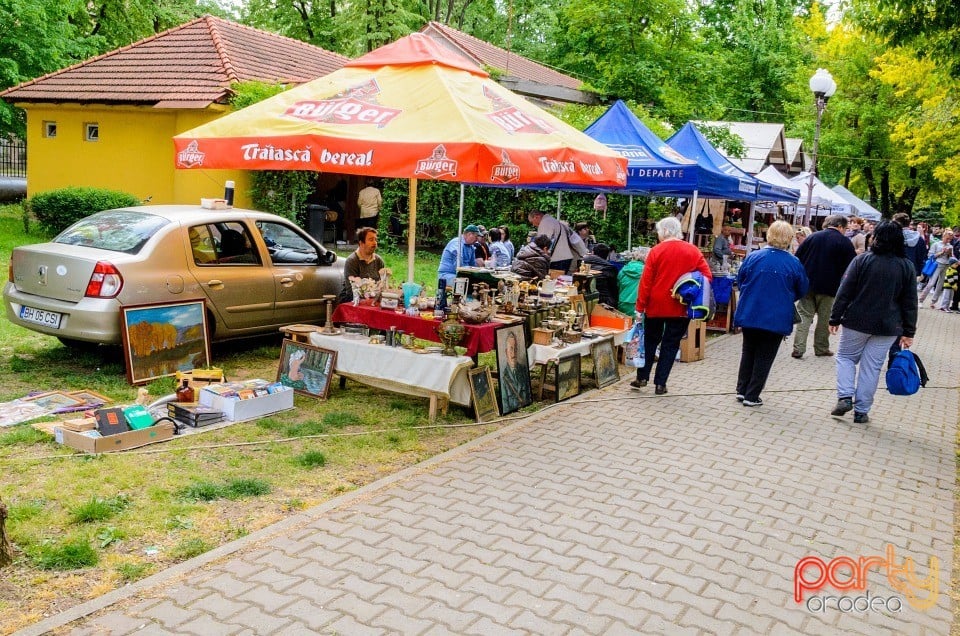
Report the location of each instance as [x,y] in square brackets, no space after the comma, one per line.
[13,158]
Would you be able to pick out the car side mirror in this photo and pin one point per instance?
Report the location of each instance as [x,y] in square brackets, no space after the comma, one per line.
[328,258]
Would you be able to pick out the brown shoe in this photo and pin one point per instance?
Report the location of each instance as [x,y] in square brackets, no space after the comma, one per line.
[825,353]
[797,355]
[661,389]
[638,384]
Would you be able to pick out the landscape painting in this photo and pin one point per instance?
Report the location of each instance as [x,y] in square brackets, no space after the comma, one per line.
[160,339]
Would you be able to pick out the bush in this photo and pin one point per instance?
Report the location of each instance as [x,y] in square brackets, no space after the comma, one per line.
[56,210]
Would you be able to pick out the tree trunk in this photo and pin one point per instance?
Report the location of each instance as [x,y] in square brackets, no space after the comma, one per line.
[6,550]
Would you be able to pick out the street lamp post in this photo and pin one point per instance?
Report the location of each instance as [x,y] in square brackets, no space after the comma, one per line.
[823,88]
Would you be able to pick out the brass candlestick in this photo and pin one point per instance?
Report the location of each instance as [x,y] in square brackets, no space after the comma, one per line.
[328,327]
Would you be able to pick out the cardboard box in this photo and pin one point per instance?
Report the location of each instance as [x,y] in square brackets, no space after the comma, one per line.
[235,409]
[119,442]
[603,317]
[693,345]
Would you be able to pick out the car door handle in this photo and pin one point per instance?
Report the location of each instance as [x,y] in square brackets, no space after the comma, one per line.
[286,281]
[215,283]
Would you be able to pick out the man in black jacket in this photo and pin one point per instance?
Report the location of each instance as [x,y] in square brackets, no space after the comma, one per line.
[825,256]
[607,276]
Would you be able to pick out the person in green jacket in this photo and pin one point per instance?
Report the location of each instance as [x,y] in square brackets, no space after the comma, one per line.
[629,279]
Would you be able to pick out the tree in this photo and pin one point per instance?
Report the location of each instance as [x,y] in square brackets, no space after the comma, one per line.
[928,26]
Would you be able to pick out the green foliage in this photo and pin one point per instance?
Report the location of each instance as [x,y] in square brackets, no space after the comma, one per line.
[340,420]
[23,434]
[98,509]
[190,548]
[304,429]
[56,210]
[232,489]
[251,92]
[18,511]
[310,459]
[283,192]
[132,571]
[70,554]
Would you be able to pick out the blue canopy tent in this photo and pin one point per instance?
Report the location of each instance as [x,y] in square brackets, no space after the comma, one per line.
[653,167]
[690,142]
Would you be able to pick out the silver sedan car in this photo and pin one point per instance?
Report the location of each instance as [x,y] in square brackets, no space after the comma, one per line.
[255,271]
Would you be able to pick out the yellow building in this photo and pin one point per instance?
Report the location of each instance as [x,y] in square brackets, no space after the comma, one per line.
[109,121]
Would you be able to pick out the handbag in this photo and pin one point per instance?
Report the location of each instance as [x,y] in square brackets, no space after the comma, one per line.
[633,351]
[930,266]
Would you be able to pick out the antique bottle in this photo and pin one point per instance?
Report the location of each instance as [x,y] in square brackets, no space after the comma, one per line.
[185,392]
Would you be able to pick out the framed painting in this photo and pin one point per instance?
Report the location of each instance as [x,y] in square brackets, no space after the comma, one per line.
[90,398]
[160,339]
[55,400]
[568,377]
[306,369]
[604,362]
[481,390]
[513,379]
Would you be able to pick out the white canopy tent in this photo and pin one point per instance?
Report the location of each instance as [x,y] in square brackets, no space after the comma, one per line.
[825,201]
[864,209]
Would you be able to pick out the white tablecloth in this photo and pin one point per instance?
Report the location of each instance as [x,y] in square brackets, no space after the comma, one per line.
[399,369]
[541,354]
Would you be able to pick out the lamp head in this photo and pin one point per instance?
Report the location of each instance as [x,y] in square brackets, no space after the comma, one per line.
[822,84]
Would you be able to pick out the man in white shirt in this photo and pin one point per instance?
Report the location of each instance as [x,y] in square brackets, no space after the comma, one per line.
[369,201]
[561,254]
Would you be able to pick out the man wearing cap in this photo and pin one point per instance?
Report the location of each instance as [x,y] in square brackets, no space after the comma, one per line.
[462,245]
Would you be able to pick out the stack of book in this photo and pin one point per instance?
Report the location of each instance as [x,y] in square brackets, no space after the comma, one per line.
[194,414]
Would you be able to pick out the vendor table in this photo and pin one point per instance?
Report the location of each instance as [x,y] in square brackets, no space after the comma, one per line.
[478,338]
[544,357]
[441,378]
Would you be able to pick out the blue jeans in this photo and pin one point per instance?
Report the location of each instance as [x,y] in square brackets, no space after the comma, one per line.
[860,357]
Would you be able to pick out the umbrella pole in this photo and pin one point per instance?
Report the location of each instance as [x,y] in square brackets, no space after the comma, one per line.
[693,217]
[630,225]
[412,229]
[559,194]
[460,229]
[748,239]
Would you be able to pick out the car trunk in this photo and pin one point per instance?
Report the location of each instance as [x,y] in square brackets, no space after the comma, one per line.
[62,276]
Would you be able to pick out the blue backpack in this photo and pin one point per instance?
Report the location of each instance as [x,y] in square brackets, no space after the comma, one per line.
[694,290]
[906,374]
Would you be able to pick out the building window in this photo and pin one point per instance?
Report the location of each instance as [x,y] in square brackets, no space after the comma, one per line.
[50,129]
[91,132]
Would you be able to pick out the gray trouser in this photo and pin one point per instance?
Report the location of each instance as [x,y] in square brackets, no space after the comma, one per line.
[860,357]
[819,305]
[934,283]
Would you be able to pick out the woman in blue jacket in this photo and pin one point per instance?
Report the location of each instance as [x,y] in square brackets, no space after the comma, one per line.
[770,280]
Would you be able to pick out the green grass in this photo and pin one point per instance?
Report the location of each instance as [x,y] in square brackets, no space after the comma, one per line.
[70,554]
[64,508]
[98,509]
[310,459]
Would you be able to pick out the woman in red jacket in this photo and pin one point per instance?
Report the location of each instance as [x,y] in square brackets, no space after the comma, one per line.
[665,318]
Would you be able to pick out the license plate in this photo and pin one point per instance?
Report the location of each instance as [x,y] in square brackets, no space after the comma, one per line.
[41,317]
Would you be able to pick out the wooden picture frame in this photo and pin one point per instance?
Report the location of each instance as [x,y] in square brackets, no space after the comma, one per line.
[568,377]
[605,369]
[579,304]
[160,339]
[90,398]
[55,400]
[306,369]
[481,391]
[513,379]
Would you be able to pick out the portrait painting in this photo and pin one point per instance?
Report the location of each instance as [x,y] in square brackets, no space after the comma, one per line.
[481,390]
[306,369]
[605,369]
[568,377]
[160,339]
[513,380]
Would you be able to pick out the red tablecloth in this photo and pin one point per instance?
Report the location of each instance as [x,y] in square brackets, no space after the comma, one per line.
[478,338]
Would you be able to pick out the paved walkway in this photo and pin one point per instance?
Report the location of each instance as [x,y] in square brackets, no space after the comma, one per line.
[618,513]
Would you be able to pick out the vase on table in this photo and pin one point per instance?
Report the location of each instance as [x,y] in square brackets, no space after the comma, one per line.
[451,332]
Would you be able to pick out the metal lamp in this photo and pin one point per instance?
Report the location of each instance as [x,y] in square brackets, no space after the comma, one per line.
[823,86]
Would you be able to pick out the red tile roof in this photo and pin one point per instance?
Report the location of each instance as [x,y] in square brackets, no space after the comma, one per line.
[510,64]
[189,66]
